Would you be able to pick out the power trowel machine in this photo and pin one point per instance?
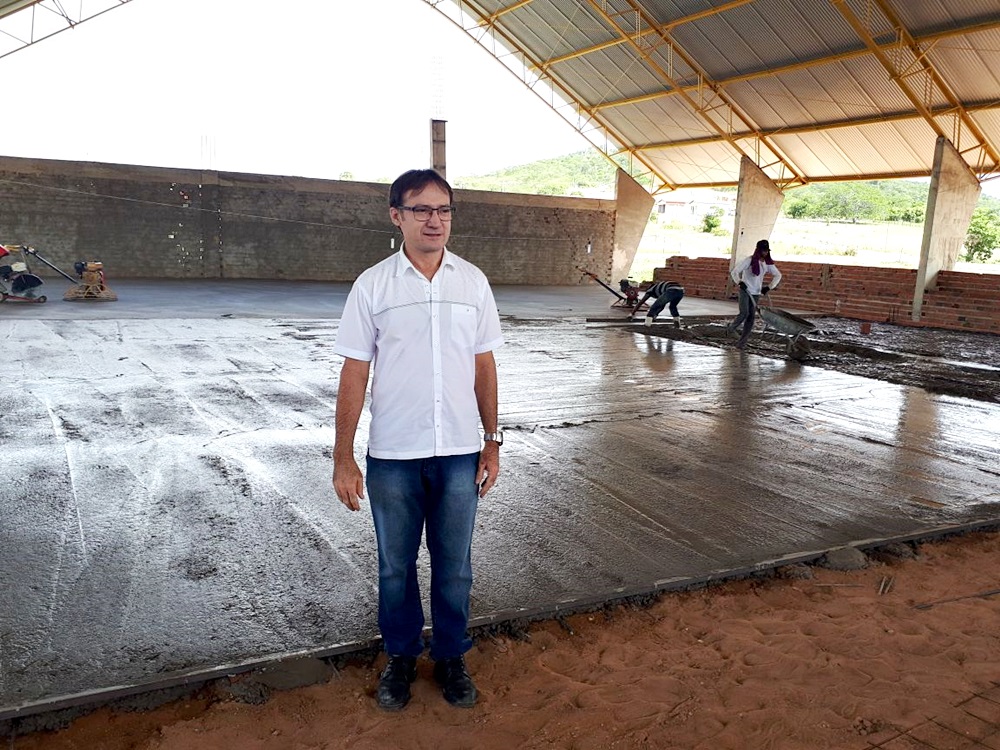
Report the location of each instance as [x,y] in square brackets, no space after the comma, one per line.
[16,281]
[18,284]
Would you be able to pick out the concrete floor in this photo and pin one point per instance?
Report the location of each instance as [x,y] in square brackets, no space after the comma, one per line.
[166,511]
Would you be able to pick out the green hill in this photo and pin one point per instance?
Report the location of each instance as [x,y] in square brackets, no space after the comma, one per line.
[589,174]
[581,174]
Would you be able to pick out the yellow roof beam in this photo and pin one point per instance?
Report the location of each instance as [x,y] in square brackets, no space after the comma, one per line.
[650,30]
[493,17]
[805,64]
[709,98]
[860,176]
[815,127]
[529,64]
[923,68]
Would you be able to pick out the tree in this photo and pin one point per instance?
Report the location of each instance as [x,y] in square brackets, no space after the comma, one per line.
[853,200]
[796,208]
[880,200]
[712,220]
[983,236]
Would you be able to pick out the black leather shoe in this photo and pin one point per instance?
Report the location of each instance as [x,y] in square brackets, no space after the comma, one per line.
[394,685]
[456,685]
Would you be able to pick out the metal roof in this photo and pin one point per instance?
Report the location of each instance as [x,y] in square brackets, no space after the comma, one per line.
[809,90]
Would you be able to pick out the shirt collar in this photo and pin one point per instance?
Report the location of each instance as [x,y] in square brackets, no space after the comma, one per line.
[402,262]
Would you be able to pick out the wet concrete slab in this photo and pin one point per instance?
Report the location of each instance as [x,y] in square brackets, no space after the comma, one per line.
[166,509]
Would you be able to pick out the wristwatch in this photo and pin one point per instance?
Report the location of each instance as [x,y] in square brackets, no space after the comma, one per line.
[496,437]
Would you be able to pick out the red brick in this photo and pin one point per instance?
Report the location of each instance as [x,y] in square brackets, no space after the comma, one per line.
[962,301]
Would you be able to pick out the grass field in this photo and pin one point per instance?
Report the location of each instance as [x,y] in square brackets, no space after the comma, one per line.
[895,245]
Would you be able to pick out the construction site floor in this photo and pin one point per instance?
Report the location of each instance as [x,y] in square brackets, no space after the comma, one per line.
[167,515]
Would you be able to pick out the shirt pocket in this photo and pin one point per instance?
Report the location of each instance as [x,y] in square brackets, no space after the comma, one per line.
[463,325]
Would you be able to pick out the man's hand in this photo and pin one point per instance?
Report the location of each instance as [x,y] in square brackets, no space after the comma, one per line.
[743,285]
[765,289]
[348,482]
[489,467]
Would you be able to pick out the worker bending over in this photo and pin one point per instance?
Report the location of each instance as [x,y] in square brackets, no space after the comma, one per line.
[665,293]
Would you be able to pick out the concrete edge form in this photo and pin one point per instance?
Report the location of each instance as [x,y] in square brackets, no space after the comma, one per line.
[90,701]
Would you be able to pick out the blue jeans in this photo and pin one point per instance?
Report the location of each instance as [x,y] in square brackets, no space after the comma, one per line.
[406,496]
[747,315]
[670,297]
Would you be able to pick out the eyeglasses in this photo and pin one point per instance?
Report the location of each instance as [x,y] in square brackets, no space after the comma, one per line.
[424,213]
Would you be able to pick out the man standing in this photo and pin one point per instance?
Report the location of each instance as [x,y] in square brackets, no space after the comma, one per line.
[426,322]
[665,293]
[749,274]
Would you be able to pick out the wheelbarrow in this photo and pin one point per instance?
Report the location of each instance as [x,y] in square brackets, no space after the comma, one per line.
[797,346]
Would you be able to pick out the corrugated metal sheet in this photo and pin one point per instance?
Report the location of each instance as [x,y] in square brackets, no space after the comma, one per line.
[933,15]
[766,34]
[659,121]
[858,88]
[548,30]
[675,119]
[969,64]
[632,75]
[668,11]
[698,165]
[723,79]
[858,151]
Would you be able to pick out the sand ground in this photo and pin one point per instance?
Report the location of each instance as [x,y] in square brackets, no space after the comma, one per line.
[902,654]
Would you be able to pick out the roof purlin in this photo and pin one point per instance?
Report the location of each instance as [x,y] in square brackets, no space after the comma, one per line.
[806,64]
[816,127]
[703,108]
[927,67]
[566,92]
[645,32]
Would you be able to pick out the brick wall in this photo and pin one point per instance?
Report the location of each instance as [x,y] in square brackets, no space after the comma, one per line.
[150,222]
[962,301]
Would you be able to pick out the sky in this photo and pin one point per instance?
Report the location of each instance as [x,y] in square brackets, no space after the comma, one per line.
[302,87]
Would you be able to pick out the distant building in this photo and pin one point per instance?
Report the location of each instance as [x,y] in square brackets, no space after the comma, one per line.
[689,205]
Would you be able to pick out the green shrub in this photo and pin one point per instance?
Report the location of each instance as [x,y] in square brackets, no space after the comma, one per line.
[711,220]
[983,236]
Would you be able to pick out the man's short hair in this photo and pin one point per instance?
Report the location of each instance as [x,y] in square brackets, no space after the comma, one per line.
[417,180]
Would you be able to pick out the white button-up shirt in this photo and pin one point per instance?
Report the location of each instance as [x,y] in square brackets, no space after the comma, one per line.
[742,272]
[421,337]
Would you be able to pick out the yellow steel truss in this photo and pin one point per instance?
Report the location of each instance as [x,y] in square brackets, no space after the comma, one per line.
[710,103]
[927,39]
[631,25]
[486,32]
[929,79]
[9,7]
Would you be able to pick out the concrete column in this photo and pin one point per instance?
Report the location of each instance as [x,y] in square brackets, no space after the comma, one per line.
[438,162]
[633,204]
[758,203]
[953,196]
[213,265]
